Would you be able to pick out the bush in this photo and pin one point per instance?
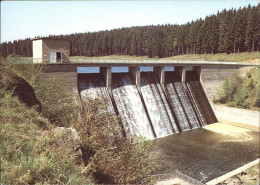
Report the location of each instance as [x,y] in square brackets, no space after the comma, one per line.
[239,91]
[129,164]
[108,155]
[241,96]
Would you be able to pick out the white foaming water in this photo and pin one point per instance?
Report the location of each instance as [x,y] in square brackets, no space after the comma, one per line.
[166,105]
[179,112]
[94,88]
[154,104]
[130,107]
[186,104]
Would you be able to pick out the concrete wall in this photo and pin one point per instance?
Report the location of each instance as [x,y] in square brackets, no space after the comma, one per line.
[37,51]
[66,75]
[53,45]
[212,77]
[239,117]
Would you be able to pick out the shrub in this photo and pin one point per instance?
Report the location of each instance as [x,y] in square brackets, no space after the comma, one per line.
[229,87]
[129,164]
[108,154]
[239,91]
[240,97]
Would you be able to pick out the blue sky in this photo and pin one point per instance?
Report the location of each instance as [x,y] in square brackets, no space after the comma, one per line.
[27,19]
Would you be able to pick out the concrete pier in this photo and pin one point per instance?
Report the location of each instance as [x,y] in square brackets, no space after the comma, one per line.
[106,72]
[135,73]
[160,73]
[197,69]
[181,71]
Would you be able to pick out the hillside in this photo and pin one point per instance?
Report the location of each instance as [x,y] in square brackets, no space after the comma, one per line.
[34,148]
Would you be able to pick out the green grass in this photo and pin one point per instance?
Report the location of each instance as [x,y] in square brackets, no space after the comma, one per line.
[253,57]
[27,152]
[234,57]
[119,57]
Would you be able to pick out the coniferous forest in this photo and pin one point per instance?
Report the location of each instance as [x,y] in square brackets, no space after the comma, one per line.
[229,31]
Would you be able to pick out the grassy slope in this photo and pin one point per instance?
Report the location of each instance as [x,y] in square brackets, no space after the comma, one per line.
[234,57]
[26,153]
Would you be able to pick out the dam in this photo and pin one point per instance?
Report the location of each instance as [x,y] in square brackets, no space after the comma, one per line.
[169,102]
[153,98]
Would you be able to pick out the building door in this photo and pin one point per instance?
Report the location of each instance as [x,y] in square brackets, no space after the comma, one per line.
[58,57]
[53,57]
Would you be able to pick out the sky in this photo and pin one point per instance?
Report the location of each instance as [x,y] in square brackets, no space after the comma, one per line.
[27,19]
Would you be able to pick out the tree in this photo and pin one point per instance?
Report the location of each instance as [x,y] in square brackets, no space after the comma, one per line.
[227,31]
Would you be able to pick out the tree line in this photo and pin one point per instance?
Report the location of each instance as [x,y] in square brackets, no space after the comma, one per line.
[229,31]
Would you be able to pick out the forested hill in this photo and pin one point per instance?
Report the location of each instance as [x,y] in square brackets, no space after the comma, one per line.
[228,31]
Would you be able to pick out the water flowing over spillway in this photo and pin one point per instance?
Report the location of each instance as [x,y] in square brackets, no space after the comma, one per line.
[200,99]
[187,105]
[176,102]
[157,106]
[130,106]
[153,111]
[93,86]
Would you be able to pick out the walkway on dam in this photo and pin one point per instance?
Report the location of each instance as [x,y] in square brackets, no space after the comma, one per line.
[152,62]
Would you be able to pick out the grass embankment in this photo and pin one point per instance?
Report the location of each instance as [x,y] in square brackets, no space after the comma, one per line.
[29,152]
[242,92]
[253,57]
[26,153]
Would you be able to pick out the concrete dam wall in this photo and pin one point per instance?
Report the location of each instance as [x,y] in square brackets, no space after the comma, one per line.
[153,103]
[150,103]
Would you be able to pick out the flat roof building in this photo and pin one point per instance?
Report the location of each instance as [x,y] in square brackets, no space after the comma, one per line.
[50,50]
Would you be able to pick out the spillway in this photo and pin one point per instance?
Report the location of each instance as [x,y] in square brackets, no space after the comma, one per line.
[152,111]
[93,86]
[175,100]
[187,104]
[158,109]
[130,106]
[176,105]
[199,97]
